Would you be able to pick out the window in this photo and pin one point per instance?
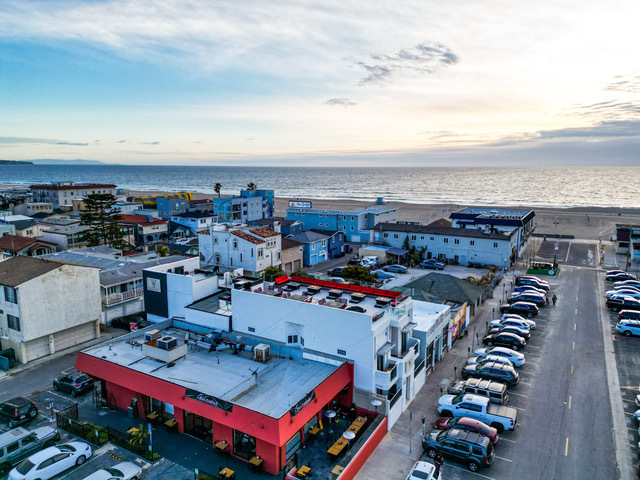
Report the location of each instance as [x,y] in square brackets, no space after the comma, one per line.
[240,257]
[421,237]
[235,244]
[495,244]
[352,228]
[472,242]
[385,235]
[413,237]
[323,243]
[252,253]
[445,240]
[13,447]
[456,241]
[295,339]
[431,238]
[10,295]
[14,323]
[342,352]
[344,218]
[344,227]
[395,235]
[313,246]
[352,219]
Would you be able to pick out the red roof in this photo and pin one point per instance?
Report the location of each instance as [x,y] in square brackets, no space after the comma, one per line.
[247,237]
[264,232]
[72,187]
[15,243]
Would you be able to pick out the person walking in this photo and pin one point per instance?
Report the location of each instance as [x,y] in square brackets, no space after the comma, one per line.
[554,299]
[439,461]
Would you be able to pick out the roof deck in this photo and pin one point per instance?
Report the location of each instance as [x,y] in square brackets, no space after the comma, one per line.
[228,373]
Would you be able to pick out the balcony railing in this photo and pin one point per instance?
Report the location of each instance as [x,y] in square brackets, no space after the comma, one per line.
[419,367]
[384,379]
[114,298]
[395,398]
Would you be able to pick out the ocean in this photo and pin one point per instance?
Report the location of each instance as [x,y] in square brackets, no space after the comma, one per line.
[529,186]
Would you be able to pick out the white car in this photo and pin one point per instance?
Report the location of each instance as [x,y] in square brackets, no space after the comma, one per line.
[511,322]
[623,292]
[631,288]
[51,461]
[489,358]
[121,471]
[628,283]
[516,358]
[515,316]
[422,471]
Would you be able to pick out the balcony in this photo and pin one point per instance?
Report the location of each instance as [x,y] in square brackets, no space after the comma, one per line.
[384,379]
[114,298]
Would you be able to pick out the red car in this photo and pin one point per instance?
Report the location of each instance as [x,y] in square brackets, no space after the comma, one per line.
[465,423]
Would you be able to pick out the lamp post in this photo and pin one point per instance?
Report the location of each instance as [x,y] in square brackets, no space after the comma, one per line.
[376,403]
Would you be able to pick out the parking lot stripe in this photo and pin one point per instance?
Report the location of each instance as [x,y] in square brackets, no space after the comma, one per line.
[518,394]
[630,414]
[507,440]
[575,325]
[576,311]
[525,383]
[502,458]
[566,448]
[569,402]
[574,345]
[450,465]
[518,408]
[571,369]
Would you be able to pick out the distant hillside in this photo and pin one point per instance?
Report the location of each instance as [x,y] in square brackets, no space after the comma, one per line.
[57,161]
[15,162]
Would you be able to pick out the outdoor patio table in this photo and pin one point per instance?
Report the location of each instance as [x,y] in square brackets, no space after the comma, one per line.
[256,463]
[227,473]
[303,471]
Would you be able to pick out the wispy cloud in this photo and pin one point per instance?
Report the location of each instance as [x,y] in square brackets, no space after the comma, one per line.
[343,102]
[625,83]
[75,144]
[35,141]
[150,143]
[424,58]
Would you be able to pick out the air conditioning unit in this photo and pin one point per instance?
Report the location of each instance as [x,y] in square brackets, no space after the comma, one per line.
[151,335]
[167,342]
[261,353]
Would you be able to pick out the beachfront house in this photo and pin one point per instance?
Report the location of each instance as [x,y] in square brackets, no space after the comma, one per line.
[62,194]
[315,246]
[194,222]
[282,225]
[144,229]
[246,208]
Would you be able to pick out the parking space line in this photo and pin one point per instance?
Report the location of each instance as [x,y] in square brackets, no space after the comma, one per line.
[575,325]
[505,459]
[525,383]
[630,414]
[507,440]
[569,402]
[518,408]
[518,394]
[532,346]
[450,465]
[574,346]
[571,369]
[632,429]
[576,311]
[566,448]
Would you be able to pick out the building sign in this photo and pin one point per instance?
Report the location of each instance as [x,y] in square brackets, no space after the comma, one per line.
[153,284]
[209,400]
[299,204]
[306,400]
[458,322]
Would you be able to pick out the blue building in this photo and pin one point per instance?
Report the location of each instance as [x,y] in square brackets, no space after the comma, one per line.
[316,247]
[336,243]
[246,208]
[282,225]
[168,207]
[356,225]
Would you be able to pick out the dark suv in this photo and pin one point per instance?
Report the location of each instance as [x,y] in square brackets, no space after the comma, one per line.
[473,449]
[521,308]
[492,371]
[73,384]
[17,411]
[629,314]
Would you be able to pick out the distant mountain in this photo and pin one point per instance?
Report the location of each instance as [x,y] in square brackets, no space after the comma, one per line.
[57,161]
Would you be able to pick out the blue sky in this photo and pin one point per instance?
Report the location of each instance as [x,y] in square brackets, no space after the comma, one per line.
[369,82]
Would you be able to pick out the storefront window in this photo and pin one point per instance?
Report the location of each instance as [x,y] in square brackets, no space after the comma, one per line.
[244,445]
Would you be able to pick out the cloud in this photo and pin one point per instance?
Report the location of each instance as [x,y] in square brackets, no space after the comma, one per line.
[344,102]
[34,141]
[624,83]
[150,143]
[424,58]
[75,144]
[121,141]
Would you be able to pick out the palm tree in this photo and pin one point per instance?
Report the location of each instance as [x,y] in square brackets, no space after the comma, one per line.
[252,186]
[216,188]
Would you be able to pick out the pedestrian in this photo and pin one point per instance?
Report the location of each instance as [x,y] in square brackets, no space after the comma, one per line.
[554,299]
[439,461]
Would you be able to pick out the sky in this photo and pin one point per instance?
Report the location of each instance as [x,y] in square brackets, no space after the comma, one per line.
[456,82]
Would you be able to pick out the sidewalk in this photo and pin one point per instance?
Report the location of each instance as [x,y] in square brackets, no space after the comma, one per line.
[401,447]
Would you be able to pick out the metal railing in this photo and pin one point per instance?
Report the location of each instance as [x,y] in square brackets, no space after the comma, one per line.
[419,367]
[114,298]
[395,398]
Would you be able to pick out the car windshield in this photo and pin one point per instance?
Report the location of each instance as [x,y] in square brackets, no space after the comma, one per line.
[82,378]
[115,472]
[457,399]
[25,467]
[453,422]
[484,429]
[441,436]
[420,474]
[66,448]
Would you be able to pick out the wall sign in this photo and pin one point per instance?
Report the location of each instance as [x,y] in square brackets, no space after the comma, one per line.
[306,400]
[153,284]
[299,204]
[209,400]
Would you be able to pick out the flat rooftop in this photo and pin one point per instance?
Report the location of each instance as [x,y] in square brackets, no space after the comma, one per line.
[358,211]
[491,212]
[370,301]
[278,384]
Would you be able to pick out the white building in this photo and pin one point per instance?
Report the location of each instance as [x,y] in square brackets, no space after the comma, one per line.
[62,194]
[462,245]
[195,222]
[250,248]
[31,208]
[47,306]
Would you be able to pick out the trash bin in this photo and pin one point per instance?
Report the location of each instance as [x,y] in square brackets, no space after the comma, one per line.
[131,412]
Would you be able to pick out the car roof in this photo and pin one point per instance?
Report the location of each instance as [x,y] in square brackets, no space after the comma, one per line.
[17,401]
[630,321]
[48,452]
[467,435]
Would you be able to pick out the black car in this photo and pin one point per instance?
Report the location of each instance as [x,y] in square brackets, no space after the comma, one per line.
[629,314]
[532,297]
[617,276]
[432,264]
[533,281]
[73,384]
[511,329]
[336,272]
[126,321]
[18,411]
[622,303]
[504,339]
[526,309]
[492,371]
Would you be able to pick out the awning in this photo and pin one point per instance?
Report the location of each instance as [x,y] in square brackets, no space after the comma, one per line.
[385,348]
[409,326]
[397,251]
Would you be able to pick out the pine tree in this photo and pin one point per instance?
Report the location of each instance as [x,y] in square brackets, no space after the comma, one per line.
[102,217]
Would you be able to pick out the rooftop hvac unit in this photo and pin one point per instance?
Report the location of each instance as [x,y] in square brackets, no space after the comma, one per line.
[261,353]
[167,342]
[151,335]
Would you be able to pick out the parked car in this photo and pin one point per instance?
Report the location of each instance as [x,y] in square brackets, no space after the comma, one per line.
[630,283]
[423,471]
[19,443]
[521,308]
[337,280]
[614,272]
[533,282]
[528,288]
[628,327]
[532,277]
[384,275]
[51,461]
[524,333]
[515,316]
[618,302]
[126,321]
[517,358]
[120,471]
[432,264]
[531,297]
[622,291]
[335,272]
[630,314]
[626,287]
[504,339]
[370,260]
[395,269]
[489,358]
[466,423]
[469,448]
[620,276]
[498,416]
[495,391]
[520,323]
[18,411]
[75,384]
[492,371]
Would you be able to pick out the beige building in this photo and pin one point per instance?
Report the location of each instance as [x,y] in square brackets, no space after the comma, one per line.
[47,306]
[292,255]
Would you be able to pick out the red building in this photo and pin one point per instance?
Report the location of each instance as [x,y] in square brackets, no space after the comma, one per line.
[221,387]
